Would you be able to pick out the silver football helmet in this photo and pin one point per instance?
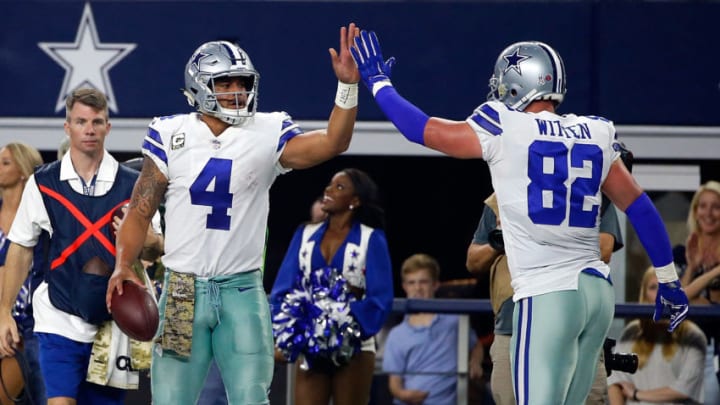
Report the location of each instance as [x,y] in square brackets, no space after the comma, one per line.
[525,72]
[215,60]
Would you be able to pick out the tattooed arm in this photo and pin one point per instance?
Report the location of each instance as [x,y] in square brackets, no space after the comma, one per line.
[146,197]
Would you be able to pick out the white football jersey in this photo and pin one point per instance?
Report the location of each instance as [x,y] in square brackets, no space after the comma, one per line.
[547,171]
[217,201]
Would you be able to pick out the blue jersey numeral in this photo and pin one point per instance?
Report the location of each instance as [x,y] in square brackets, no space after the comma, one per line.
[554,182]
[220,198]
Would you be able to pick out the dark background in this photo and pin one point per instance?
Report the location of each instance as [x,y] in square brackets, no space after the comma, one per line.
[635,62]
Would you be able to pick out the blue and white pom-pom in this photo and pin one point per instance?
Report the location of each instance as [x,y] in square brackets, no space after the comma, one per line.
[315,320]
[22,302]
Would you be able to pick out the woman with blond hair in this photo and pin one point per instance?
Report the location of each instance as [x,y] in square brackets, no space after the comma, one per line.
[17,163]
[670,366]
[701,279]
[702,248]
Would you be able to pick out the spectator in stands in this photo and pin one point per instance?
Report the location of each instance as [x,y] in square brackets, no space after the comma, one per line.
[670,367]
[702,249]
[17,163]
[486,253]
[701,277]
[63,147]
[420,354]
[351,241]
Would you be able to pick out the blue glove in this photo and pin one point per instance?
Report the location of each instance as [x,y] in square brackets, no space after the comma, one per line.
[367,54]
[672,297]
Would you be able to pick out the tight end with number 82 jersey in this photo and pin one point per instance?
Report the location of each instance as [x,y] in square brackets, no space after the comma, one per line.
[547,171]
[217,176]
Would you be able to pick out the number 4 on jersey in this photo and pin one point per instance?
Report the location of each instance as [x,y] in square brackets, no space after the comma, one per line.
[212,189]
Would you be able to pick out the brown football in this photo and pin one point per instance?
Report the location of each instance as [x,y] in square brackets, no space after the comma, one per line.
[135,312]
[117,213]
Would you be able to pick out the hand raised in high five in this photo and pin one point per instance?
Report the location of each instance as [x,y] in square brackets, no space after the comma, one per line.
[343,65]
[374,70]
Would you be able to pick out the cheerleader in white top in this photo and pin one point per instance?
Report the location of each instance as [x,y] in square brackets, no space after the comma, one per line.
[349,243]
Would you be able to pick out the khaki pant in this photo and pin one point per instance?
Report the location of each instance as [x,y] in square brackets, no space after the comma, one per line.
[501,379]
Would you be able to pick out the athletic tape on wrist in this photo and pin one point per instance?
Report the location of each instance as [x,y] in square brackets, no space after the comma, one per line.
[347,95]
[379,85]
[667,273]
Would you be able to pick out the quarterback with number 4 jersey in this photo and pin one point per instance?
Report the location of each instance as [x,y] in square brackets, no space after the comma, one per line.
[548,171]
[214,169]
[211,182]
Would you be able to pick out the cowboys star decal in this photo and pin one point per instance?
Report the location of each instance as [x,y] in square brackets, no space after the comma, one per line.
[87,61]
[514,60]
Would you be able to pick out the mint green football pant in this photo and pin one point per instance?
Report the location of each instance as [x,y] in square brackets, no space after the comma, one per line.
[557,340]
[232,325]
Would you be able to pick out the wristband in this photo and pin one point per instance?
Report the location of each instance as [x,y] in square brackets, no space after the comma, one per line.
[347,95]
[634,398]
[379,85]
[667,273]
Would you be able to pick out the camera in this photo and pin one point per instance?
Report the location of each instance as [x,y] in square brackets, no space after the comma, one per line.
[495,239]
[627,362]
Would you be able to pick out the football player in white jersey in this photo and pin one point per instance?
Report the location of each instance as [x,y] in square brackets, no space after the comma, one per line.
[548,171]
[214,169]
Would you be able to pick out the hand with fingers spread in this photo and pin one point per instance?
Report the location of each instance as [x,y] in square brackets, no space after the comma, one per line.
[672,297]
[342,62]
[374,70]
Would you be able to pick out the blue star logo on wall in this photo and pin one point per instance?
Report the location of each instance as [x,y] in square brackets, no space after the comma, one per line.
[514,60]
[87,61]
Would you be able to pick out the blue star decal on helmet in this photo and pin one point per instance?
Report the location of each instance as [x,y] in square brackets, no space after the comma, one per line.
[196,59]
[514,60]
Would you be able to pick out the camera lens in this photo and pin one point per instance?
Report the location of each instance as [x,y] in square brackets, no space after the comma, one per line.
[495,239]
[627,362]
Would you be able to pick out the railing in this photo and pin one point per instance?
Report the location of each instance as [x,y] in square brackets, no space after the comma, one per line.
[464,307]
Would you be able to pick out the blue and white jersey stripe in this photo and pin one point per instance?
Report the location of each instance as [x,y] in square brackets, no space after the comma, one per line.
[487,118]
[288,132]
[153,144]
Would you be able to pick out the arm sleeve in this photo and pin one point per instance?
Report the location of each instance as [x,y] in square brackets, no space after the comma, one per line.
[609,224]
[651,231]
[488,222]
[406,117]
[285,278]
[31,217]
[371,311]
[154,147]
